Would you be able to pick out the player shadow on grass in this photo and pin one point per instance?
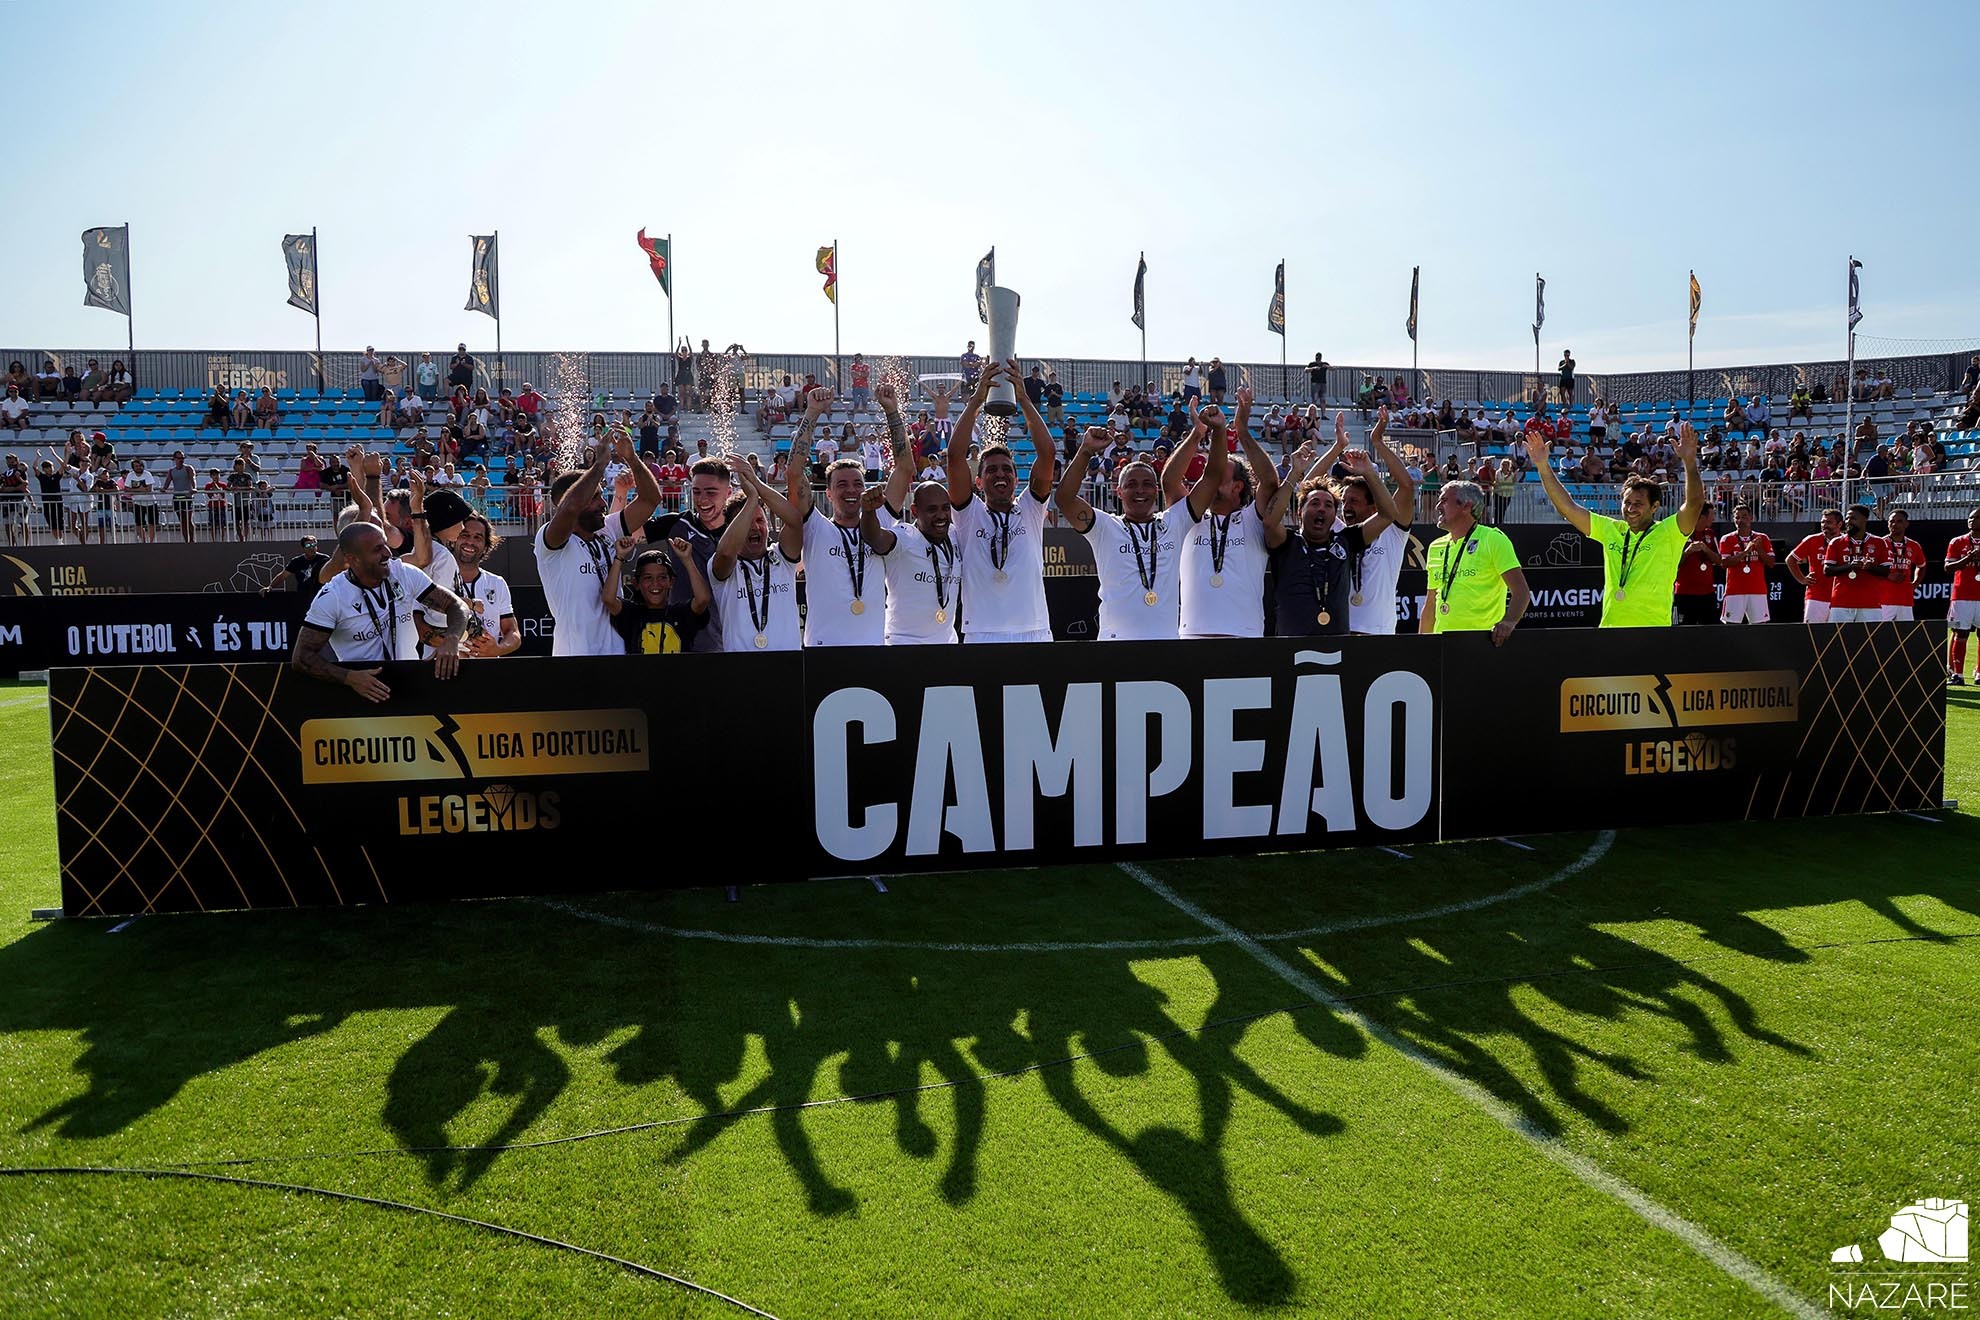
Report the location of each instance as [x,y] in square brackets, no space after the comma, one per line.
[1456,989]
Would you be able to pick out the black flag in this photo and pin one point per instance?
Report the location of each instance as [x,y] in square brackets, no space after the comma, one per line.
[1539,306]
[986,275]
[1140,317]
[1415,274]
[1855,308]
[299,250]
[485,293]
[107,268]
[1275,315]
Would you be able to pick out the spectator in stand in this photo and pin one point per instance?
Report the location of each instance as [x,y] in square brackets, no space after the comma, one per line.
[426,378]
[1801,404]
[1055,399]
[1734,416]
[1398,394]
[1034,387]
[71,383]
[47,382]
[971,364]
[861,376]
[14,409]
[1316,381]
[19,380]
[412,408]
[368,373]
[460,370]
[14,480]
[94,378]
[1217,381]
[1192,383]
[117,387]
[265,413]
[309,472]
[1883,387]
[683,373]
[649,428]
[48,481]
[1758,413]
[388,410]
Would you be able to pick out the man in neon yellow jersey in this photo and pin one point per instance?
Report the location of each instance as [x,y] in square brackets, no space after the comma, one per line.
[1640,554]
[1476,584]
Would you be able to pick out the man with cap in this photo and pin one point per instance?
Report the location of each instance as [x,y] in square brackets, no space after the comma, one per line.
[1640,553]
[436,523]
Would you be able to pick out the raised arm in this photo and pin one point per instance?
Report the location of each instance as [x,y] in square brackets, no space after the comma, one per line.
[684,556]
[1265,481]
[734,535]
[646,486]
[421,556]
[1378,444]
[609,594]
[1539,450]
[563,519]
[1363,465]
[900,480]
[960,487]
[1219,465]
[1176,470]
[1299,467]
[790,528]
[1072,506]
[881,538]
[1044,456]
[797,478]
[1694,483]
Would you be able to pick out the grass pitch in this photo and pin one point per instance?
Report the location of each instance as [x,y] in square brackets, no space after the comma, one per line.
[1764,1030]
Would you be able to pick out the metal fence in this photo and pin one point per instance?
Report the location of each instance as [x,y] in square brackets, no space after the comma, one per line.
[641,374]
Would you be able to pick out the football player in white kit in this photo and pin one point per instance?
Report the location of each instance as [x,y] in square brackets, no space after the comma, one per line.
[844,604]
[1136,552]
[998,530]
[1224,551]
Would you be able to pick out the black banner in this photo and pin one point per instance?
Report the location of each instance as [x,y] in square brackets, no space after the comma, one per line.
[245,785]
[41,632]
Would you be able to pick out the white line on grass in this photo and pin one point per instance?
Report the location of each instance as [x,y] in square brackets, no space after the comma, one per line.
[1596,851]
[23,701]
[1586,1170]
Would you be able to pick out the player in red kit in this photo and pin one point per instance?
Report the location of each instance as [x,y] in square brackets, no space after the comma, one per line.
[1695,598]
[1858,566]
[1804,563]
[1963,562]
[1907,565]
[1748,555]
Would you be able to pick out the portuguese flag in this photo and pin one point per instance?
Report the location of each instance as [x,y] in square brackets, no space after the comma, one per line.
[657,255]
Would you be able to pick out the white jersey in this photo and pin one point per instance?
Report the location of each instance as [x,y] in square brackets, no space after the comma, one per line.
[1381,566]
[144,488]
[1135,561]
[775,604]
[1010,547]
[444,569]
[370,623]
[923,580]
[488,602]
[571,575]
[833,557]
[1227,601]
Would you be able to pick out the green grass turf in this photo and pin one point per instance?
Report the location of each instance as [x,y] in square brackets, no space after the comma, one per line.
[1669,1013]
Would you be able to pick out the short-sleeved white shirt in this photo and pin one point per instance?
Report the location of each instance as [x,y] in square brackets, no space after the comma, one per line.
[570,575]
[488,601]
[370,624]
[1016,604]
[1236,606]
[832,556]
[913,598]
[144,487]
[780,627]
[1381,568]
[444,569]
[1125,614]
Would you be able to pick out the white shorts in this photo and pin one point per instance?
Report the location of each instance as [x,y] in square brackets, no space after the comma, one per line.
[1814,611]
[1964,616]
[1855,614]
[1745,607]
[993,638]
[1897,614]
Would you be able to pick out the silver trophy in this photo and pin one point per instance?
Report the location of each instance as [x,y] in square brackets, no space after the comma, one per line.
[1003,306]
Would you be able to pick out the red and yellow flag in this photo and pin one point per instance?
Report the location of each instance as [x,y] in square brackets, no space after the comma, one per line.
[828,267]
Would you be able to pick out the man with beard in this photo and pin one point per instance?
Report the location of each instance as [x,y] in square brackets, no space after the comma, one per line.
[1313,570]
[1000,535]
[1804,564]
[365,614]
[1475,581]
[1907,565]
[843,605]
[1374,572]
[924,576]
[1640,554]
[755,583]
[1222,564]
[574,548]
[1695,595]
[1858,566]
[1963,617]
[492,628]
[1135,551]
[1748,555]
[709,491]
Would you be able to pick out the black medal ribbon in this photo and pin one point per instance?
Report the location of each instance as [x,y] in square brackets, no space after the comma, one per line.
[936,550]
[1629,554]
[1147,568]
[1219,544]
[759,613]
[388,640]
[1453,561]
[855,548]
[1000,538]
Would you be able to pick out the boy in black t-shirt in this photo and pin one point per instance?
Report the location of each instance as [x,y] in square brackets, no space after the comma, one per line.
[645,620]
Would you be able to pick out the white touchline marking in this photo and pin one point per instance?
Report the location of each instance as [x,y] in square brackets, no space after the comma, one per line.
[1515,843]
[1929,820]
[1596,851]
[1393,852]
[120,925]
[1586,1170]
[23,701]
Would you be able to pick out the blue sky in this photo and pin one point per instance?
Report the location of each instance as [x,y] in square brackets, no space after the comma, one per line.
[1611,149]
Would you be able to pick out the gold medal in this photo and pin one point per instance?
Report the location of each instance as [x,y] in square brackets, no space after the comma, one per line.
[762,642]
[859,607]
[1355,599]
[941,616]
[1216,579]
[1325,617]
[1152,599]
